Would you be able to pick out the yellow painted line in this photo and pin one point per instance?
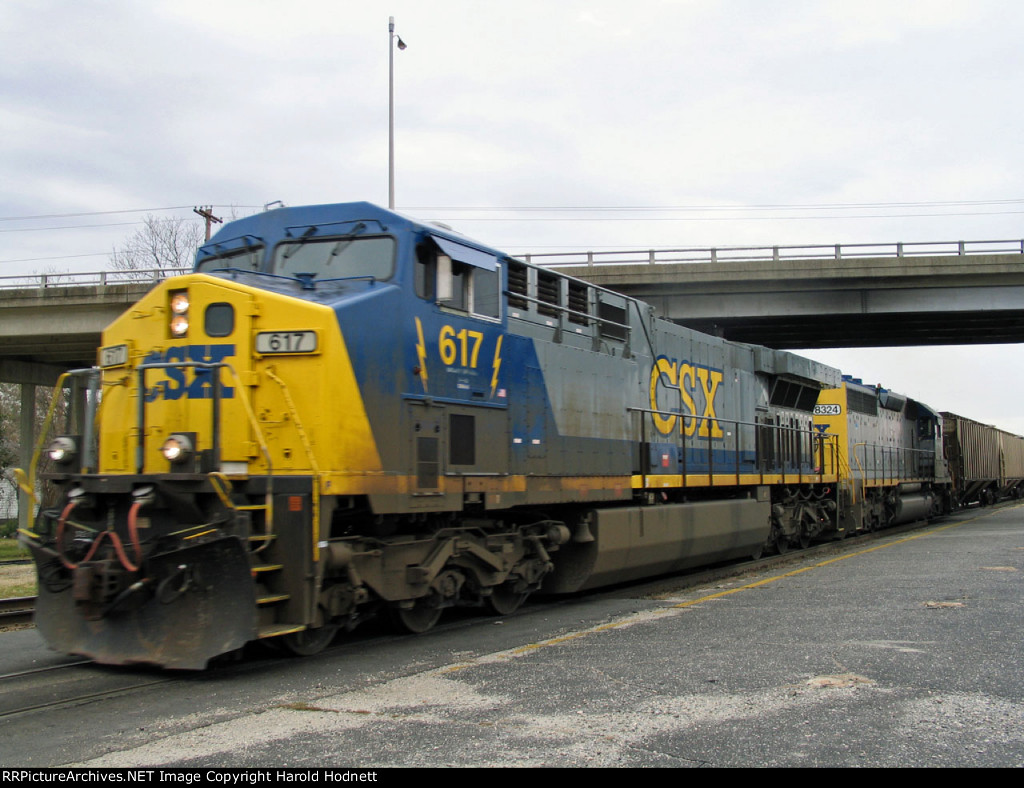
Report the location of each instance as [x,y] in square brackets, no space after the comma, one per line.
[637,618]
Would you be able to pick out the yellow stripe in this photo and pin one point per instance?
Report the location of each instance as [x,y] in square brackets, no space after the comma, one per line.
[661,481]
[400,484]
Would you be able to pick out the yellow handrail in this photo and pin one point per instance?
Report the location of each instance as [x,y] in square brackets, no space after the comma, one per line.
[309,453]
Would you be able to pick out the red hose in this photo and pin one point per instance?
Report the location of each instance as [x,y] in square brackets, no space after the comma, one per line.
[118,545]
[60,534]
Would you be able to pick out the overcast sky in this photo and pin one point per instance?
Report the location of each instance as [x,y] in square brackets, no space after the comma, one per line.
[745,121]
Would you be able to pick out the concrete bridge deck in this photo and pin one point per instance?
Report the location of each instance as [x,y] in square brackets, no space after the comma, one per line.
[811,296]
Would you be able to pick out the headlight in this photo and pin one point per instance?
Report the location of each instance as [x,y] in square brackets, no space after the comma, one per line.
[179,302]
[178,448]
[179,325]
[62,450]
[179,305]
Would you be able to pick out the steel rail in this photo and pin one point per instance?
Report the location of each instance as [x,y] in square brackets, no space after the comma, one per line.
[17,610]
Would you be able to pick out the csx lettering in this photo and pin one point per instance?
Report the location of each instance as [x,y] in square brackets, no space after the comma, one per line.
[185,381]
[694,383]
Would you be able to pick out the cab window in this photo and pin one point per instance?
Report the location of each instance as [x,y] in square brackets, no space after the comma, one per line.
[457,286]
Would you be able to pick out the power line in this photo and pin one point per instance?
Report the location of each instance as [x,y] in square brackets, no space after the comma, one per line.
[744,218]
[680,208]
[61,257]
[67,227]
[108,213]
[569,208]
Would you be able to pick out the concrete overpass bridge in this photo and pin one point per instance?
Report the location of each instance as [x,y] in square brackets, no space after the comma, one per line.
[849,295]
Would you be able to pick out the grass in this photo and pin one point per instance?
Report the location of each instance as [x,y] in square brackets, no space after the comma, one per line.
[17,580]
[10,589]
[10,549]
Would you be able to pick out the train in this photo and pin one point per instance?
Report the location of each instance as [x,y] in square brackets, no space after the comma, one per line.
[986,464]
[342,413]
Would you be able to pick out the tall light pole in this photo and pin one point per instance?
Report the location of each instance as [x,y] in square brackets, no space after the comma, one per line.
[391,108]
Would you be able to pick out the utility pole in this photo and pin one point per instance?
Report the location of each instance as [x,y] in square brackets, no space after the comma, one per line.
[207,213]
[391,108]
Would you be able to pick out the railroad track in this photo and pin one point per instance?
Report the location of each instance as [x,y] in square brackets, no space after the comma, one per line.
[17,610]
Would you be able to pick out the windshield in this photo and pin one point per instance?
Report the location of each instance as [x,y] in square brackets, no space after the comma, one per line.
[247,259]
[336,258]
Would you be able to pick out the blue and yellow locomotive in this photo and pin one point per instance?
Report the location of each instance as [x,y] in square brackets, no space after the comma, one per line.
[891,464]
[343,412]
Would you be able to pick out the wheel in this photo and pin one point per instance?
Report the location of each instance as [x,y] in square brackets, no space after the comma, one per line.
[310,641]
[416,619]
[781,543]
[504,601]
[805,539]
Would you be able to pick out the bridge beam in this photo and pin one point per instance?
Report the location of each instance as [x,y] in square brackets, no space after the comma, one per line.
[859,302]
[31,373]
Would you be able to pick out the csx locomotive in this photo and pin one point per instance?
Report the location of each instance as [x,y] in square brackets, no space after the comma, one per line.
[343,412]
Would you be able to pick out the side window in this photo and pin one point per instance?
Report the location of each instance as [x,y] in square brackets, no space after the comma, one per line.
[487,292]
[426,272]
[456,285]
[461,277]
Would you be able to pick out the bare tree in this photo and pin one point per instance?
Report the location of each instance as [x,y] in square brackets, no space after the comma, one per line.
[161,244]
[8,451]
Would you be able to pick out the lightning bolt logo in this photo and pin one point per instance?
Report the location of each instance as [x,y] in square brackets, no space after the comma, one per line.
[497,364]
[421,352]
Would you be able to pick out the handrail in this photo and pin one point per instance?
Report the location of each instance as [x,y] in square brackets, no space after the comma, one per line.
[308,446]
[708,254]
[142,276]
[904,462]
[818,443]
[774,254]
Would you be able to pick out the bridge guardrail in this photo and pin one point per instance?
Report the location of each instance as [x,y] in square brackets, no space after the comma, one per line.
[710,254]
[767,254]
[88,278]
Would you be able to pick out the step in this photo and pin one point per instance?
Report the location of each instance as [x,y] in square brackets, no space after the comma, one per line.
[271,599]
[267,567]
[276,630]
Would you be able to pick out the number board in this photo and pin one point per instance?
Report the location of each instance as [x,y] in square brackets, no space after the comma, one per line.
[828,410]
[276,342]
[113,356]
